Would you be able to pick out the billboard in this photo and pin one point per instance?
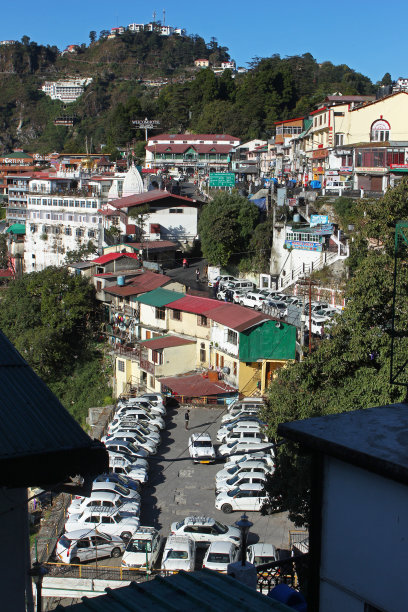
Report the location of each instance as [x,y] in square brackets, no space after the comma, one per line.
[222,179]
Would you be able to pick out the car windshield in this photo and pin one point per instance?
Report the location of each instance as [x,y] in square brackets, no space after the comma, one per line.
[121,489]
[232,444]
[177,554]
[261,560]
[233,492]
[233,480]
[139,546]
[218,558]
[180,524]
[220,527]
[64,541]
[235,468]
[203,443]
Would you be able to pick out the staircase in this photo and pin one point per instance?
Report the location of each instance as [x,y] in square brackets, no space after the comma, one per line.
[327,258]
[251,388]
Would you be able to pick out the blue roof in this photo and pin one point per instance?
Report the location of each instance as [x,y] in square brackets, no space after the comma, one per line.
[182,592]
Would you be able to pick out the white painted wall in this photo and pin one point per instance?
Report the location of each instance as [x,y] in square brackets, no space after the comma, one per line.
[148,317]
[364,547]
[219,334]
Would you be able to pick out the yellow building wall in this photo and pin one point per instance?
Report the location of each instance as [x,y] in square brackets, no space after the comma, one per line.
[188,325]
[177,360]
[130,374]
[393,109]
[248,377]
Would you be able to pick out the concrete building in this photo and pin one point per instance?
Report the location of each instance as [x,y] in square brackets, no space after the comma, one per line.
[67,91]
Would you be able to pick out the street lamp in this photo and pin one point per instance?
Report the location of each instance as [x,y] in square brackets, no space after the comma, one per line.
[244,526]
[37,573]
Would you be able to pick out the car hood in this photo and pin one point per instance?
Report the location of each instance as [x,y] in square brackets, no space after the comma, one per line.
[202,452]
[176,564]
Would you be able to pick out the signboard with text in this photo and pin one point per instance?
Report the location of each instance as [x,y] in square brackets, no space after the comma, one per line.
[222,179]
[319,219]
[303,246]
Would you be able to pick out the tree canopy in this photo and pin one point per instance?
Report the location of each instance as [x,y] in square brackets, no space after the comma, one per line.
[225,226]
[351,370]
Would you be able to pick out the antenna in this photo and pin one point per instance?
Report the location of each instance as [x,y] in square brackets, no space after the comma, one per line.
[164,16]
[154,16]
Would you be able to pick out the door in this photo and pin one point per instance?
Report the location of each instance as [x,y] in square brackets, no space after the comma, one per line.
[84,550]
[101,546]
[376,183]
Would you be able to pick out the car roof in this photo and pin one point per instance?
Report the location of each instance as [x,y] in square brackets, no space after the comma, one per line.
[221,546]
[104,485]
[201,436]
[77,534]
[177,540]
[143,533]
[264,549]
[252,486]
[104,495]
[200,520]
[249,464]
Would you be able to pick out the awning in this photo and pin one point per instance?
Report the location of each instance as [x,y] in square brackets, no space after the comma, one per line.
[16,228]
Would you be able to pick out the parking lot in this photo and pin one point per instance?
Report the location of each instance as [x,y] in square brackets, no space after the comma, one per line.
[177,487]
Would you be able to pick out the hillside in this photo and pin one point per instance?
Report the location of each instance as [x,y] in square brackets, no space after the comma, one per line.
[121,68]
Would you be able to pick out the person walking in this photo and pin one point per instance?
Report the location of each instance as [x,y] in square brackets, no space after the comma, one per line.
[198,275]
[187,418]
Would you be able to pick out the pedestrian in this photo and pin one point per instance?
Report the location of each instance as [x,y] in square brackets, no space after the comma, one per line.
[198,275]
[185,263]
[215,290]
[187,418]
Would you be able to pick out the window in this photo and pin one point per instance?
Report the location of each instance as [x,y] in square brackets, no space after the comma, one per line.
[203,353]
[338,114]
[157,357]
[202,320]
[121,365]
[222,361]
[232,337]
[395,157]
[68,231]
[380,131]
[176,211]
[79,233]
[234,368]
[91,234]
[161,313]
[339,140]
[176,315]
[217,360]
[33,228]
[151,381]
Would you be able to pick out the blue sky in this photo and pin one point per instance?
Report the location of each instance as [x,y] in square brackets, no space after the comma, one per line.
[363,34]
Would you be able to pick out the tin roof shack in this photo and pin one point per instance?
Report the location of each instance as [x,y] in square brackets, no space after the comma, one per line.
[359,506]
[41,446]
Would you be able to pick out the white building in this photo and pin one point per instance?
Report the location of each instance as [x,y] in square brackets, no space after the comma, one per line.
[67,91]
[359,508]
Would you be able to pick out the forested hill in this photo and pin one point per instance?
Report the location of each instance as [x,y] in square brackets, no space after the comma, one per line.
[245,105]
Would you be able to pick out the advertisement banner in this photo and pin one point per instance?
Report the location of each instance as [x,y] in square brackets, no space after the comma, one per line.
[318,219]
[303,246]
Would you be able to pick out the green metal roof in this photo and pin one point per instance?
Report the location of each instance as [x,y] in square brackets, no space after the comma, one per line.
[16,155]
[202,590]
[267,341]
[158,297]
[16,228]
[307,124]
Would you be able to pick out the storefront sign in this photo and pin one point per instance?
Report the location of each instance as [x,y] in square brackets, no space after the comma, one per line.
[332,173]
[318,219]
[324,230]
[318,169]
[399,166]
[303,246]
[320,154]
[371,170]
[344,169]
[291,201]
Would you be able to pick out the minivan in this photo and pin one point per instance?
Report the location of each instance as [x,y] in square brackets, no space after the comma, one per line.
[87,545]
[244,435]
[240,285]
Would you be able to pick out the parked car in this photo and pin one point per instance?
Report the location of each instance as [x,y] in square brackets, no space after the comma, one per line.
[136,463]
[239,413]
[138,414]
[277,309]
[219,555]
[135,426]
[239,479]
[221,279]
[239,284]
[143,548]
[239,426]
[318,324]
[121,466]
[87,545]
[107,501]
[266,457]
[123,409]
[117,488]
[179,554]
[109,521]
[237,294]
[135,438]
[241,468]
[261,553]
[248,497]
[252,300]
[240,448]
[127,448]
[329,311]
[201,448]
[155,398]
[123,480]
[204,530]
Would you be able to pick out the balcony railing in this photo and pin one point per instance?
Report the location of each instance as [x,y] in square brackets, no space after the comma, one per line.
[147,366]
[292,571]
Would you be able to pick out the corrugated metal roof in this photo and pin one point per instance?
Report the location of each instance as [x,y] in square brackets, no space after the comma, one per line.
[141,284]
[33,423]
[165,342]
[147,197]
[195,385]
[112,256]
[159,297]
[182,592]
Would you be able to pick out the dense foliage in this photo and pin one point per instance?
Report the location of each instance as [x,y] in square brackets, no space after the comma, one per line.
[225,226]
[51,317]
[245,105]
[351,370]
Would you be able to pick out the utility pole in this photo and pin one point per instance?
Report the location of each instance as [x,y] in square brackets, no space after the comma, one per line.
[308,284]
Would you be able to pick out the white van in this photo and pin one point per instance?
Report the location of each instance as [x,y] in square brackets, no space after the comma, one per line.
[179,554]
[239,285]
[241,434]
[337,185]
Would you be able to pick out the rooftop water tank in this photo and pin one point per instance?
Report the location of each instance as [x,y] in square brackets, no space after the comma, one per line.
[121,281]
[296,218]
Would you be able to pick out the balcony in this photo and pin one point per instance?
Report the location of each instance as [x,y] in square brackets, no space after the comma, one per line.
[292,571]
[147,366]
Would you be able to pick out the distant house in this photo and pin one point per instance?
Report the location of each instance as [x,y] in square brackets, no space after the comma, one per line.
[202,63]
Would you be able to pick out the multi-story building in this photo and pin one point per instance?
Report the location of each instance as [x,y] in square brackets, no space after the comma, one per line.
[17,186]
[190,153]
[67,91]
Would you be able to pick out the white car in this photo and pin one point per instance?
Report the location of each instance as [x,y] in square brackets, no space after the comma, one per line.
[220,279]
[127,448]
[201,448]
[107,501]
[135,463]
[251,423]
[135,427]
[219,555]
[203,530]
[134,438]
[240,479]
[155,398]
[109,521]
[274,308]
[179,554]
[143,549]
[119,465]
[241,468]
[117,488]
[248,497]
[265,457]
[141,403]
[87,545]
[252,300]
[318,324]
[261,553]
[138,414]
[241,448]
[240,410]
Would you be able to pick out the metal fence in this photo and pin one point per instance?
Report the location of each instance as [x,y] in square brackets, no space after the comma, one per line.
[292,571]
[103,572]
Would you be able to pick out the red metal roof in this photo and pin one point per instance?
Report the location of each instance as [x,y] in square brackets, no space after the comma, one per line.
[141,284]
[181,148]
[233,316]
[149,196]
[5,273]
[165,342]
[195,385]
[195,137]
[112,256]
[288,120]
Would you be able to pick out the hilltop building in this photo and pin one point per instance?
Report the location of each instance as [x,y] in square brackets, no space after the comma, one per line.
[67,91]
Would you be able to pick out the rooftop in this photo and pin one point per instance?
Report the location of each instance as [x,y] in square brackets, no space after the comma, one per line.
[196,385]
[224,137]
[147,281]
[165,342]
[147,197]
[375,439]
[112,256]
[159,297]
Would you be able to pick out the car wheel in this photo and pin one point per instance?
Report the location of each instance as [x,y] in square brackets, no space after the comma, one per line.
[75,561]
[126,535]
[116,552]
[241,302]
[226,508]
[257,308]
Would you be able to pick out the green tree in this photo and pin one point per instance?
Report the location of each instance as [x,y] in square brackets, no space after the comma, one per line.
[82,253]
[225,227]
[92,36]
[386,80]
[4,253]
[351,370]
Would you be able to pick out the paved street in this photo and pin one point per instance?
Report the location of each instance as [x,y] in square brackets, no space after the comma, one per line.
[177,487]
